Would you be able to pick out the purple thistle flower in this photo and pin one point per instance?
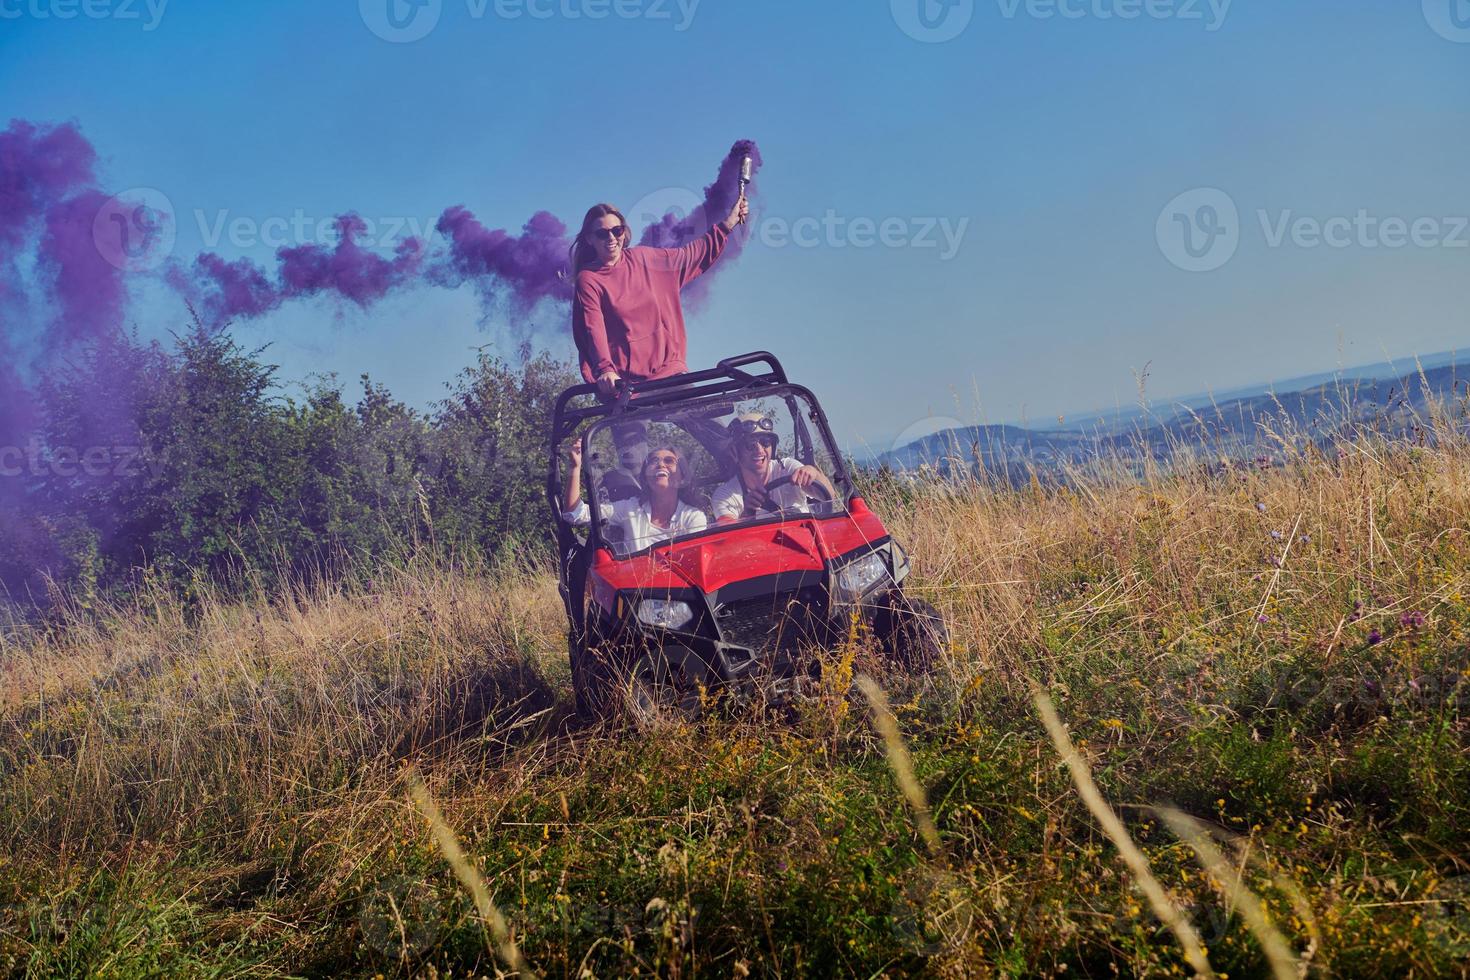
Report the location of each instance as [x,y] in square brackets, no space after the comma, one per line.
[1263,618]
[1261,506]
[1275,535]
[1374,637]
[1412,620]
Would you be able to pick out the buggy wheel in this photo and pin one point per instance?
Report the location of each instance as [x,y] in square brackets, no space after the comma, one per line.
[912,631]
[584,685]
[664,686]
[646,688]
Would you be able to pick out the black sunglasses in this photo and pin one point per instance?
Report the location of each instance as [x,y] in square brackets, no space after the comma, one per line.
[616,232]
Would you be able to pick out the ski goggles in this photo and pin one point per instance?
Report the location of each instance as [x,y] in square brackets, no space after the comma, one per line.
[753,427]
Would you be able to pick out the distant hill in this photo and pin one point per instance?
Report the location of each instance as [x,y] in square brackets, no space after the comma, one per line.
[1233,424]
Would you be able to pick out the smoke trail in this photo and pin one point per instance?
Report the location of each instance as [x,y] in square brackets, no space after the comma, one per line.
[224,290]
[61,291]
[719,197]
[49,205]
[514,271]
[672,231]
[60,287]
[523,269]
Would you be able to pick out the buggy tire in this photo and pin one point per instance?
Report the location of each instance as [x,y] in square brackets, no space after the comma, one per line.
[912,631]
[645,689]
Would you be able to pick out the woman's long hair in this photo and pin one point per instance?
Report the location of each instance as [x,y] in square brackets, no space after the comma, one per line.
[583,255]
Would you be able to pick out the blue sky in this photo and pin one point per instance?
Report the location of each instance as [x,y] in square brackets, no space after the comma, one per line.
[1052,134]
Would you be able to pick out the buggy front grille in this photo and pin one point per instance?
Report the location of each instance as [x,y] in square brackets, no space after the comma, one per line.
[782,623]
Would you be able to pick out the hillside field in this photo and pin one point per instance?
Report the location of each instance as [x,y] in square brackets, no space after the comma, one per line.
[200,784]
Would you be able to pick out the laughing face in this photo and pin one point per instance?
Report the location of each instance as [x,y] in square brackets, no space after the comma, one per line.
[607,238]
[754,455]
[661,470]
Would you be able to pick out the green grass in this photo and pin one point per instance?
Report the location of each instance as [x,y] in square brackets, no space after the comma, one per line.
[224,792]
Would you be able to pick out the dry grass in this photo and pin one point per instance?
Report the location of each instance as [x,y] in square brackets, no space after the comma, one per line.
[220,787]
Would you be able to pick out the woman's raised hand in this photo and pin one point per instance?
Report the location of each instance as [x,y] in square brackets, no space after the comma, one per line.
[737,214]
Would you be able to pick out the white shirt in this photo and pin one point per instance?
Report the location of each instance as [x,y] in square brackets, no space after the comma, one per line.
[635,517]
[728,499]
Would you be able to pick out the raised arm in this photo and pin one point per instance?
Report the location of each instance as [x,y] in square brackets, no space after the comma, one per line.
[695,258]
[572,493]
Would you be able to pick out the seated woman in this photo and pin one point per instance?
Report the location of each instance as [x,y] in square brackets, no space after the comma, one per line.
[656,514]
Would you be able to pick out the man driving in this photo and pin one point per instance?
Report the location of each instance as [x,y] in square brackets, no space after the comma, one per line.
[764,484]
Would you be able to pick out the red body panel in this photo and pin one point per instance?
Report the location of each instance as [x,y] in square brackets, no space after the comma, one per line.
[716,560]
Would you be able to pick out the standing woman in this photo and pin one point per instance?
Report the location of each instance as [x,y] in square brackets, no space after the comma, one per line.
[627,320]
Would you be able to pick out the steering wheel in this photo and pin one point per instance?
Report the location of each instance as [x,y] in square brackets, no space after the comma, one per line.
[814,491]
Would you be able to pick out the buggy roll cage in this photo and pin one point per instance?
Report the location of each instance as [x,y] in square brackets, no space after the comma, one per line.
[728,377]
[725,378]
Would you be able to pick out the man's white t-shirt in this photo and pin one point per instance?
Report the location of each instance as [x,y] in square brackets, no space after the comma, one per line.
[635,517]
[728,499]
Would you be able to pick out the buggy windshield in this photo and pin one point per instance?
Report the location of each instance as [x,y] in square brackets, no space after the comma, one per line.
[738,461]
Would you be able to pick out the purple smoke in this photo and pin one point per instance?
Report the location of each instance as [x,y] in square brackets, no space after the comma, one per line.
[69,293]
[49,203]
[519,270]
[719,198]
[58,293]
[224,290]
[89,290]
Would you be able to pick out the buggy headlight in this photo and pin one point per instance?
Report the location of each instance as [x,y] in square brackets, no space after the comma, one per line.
[664,613]
[857,578]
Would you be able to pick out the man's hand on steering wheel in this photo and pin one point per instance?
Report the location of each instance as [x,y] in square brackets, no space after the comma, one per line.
[809,475]
[811,481]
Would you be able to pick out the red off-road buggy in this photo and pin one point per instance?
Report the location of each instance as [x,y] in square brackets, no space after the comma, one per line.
[738,607]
